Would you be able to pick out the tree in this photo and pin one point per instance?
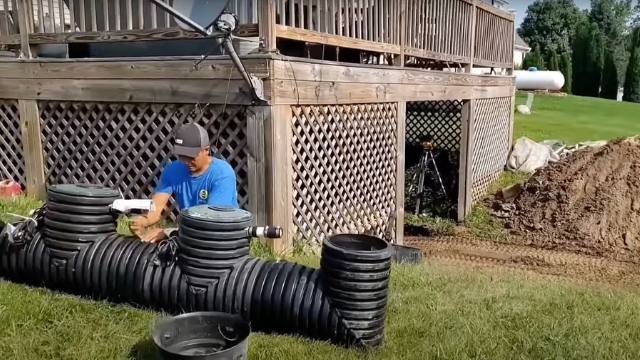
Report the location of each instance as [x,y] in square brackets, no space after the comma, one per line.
[632,78]
[635,16]
[587,60]
[565,68]
[610,82]
[552,62]
[533,59]
[550,24]
[578,59]
[594,61]
[612,18]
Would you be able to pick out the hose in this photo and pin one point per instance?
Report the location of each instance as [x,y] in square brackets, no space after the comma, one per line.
[207,267]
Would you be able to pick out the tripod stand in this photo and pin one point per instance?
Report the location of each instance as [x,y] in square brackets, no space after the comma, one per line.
[427,154]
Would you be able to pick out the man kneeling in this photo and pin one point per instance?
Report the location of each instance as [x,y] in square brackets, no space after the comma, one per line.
[196,179]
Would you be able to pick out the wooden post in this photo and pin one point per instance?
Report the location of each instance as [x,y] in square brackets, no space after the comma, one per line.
[472,39]
[512,49]
[512,116]
[279,175]
[399,60]
[256,163]
[400,142]
[267,24]
[25,24]
[462,170]
[466,157]
[30,116]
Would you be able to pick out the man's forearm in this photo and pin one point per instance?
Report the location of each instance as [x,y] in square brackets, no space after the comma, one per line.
[159,203]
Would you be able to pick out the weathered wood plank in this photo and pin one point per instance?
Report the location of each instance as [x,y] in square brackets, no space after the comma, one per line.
[300,70]
[486,63]
[468,113]
[288,32]
[130,69]
[172,33]
[472,35]
[279,178]
[400,142]
[25,29]
[267,23]
[122,90]
[436,55]
[464,153]
[256,163]
[312,92]
[32,148]
[30,118]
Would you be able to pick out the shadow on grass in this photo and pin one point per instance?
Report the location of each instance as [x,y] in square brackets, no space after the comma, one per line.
[145,350]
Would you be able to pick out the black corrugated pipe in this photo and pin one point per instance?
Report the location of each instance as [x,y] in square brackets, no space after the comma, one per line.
[206,268]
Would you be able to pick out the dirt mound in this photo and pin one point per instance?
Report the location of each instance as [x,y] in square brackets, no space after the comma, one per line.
[588,202]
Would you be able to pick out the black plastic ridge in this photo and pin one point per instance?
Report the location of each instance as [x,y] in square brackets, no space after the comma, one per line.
[343,302]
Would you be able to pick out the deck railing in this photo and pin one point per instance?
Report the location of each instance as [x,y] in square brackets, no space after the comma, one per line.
[453,31]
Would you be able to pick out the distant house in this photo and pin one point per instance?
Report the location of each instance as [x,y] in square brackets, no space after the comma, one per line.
[521,48]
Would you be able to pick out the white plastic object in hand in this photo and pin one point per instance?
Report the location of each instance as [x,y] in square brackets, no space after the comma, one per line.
[125,206]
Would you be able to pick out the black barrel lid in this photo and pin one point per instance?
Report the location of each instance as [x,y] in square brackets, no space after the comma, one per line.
[217,214]
[85,190]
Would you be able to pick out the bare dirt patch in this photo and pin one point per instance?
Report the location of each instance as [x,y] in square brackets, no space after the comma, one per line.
[514,258]
[588,203]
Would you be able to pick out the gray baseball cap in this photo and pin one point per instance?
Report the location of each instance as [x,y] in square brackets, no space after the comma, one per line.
[190,140]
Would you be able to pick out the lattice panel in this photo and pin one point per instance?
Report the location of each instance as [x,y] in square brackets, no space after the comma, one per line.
[12,164]
[440,119]
[490,143]
[344,160]
[125,146]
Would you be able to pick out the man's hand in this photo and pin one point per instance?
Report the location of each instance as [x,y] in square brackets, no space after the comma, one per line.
[139,224]
[153,235]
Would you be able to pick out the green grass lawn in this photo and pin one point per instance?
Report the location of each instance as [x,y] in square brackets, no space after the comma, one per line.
[574,119]
[434,313]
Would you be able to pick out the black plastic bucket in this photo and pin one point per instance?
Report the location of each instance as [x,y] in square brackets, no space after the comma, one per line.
[203,336]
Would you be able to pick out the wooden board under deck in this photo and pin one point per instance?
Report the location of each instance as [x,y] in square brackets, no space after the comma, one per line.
[122,80]
[302,81]
[290,81]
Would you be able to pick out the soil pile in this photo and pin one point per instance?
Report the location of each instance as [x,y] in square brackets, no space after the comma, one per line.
[589,203]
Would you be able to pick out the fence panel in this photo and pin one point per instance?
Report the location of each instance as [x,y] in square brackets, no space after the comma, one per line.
[440,119]
[344,160]
[125,145]
[12,162]
[491,143]
[494,40]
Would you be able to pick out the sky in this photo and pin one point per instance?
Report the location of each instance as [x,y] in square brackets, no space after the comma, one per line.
[521,7]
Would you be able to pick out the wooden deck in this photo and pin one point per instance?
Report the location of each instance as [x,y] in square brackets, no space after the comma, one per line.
[420,33]
[325,153]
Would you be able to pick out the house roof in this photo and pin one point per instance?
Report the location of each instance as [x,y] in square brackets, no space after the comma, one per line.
[521,43]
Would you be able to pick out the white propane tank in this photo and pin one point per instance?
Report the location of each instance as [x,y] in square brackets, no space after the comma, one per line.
[539,80]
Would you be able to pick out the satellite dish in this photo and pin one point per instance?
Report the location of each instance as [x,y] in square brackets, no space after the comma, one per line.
[202,12]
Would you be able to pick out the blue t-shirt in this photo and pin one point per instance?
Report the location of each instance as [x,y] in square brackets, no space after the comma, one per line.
[217,186]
